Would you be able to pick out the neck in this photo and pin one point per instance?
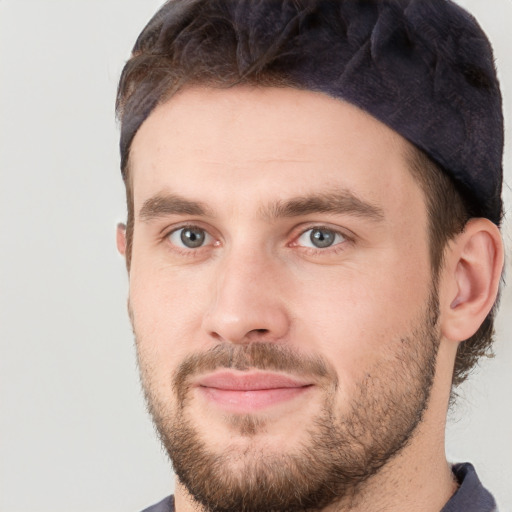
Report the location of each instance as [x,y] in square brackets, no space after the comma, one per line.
[418,478]
[423,485]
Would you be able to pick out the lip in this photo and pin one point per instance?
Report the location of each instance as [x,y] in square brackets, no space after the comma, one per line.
[250,392]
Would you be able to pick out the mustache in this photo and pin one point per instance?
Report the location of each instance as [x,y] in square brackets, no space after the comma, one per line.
[260,356]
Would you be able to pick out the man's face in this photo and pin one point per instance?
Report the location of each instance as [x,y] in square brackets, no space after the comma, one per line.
[280,293]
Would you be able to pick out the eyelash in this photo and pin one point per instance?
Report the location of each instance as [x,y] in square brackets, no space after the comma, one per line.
[184,251]
[335,248]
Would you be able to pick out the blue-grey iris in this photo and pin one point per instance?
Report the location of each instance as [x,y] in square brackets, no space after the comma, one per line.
[322,238]
[192,237]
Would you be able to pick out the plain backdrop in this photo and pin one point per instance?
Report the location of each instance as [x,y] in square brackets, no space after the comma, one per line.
[74,435]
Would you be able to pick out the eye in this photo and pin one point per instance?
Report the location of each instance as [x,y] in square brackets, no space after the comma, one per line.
[190,237]
[320,238]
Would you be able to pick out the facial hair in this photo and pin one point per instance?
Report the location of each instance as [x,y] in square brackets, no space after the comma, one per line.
[342,449]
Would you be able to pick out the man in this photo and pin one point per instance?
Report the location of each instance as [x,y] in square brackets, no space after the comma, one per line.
[313,247]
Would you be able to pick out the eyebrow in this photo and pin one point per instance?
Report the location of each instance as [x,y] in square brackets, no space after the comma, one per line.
[170,204]
[342,202]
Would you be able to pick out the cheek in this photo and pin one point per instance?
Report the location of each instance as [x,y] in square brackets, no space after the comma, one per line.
[358,319]
[167,311]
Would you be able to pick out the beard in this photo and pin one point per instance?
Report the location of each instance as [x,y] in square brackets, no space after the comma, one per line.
[340,449]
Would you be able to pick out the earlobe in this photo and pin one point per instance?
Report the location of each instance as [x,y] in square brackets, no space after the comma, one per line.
[472,275]
[121,238]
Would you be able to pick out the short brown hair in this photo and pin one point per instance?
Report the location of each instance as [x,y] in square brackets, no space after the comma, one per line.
[448,213]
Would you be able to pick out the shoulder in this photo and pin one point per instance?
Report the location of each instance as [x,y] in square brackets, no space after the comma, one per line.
[471,496]
[166,505]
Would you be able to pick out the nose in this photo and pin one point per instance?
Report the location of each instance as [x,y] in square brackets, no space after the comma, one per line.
[247,300]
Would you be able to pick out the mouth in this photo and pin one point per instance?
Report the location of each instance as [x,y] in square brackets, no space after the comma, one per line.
[250,391]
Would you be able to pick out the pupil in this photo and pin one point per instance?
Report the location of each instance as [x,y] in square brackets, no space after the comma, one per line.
[192,237]
[322,238]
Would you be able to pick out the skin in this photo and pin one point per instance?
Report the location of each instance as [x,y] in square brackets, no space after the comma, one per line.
[238,153]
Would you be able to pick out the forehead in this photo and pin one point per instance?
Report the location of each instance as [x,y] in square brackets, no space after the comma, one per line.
[264,143]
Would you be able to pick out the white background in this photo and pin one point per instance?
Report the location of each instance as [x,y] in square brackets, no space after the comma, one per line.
[74,436]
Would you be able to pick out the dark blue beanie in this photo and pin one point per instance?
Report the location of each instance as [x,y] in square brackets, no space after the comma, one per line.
[423,67]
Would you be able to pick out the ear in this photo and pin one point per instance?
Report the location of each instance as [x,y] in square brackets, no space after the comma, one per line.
[121,238]
[470,278]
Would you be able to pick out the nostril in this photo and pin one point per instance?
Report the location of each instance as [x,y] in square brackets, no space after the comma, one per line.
[258,335]
[216,336]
